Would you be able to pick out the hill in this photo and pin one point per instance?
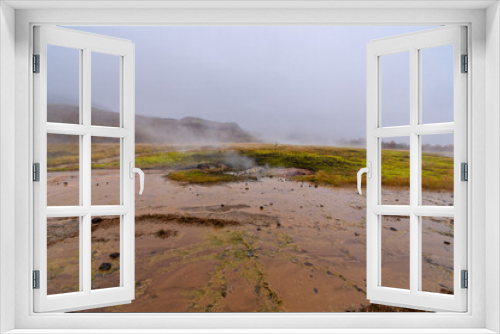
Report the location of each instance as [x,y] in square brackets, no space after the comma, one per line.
[158,130]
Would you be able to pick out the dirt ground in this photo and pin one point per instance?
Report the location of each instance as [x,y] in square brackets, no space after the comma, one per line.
[271,245]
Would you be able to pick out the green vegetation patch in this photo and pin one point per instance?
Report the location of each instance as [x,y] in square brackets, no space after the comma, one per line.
[332,166]
[205,176]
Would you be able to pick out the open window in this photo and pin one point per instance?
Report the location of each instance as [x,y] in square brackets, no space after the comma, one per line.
[399,230]
[66,57]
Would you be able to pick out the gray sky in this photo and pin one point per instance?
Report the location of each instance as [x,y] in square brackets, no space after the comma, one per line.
[279,82]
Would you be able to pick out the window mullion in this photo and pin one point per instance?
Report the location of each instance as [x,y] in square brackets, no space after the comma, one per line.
[85,167]
[414,171]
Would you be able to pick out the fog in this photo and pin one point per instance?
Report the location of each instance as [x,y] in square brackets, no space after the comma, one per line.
[303,85]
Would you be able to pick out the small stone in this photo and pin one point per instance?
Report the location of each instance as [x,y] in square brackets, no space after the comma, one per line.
[316,290]
[223,294]
[294,260]
[97,184]
[105,266]
[321,205]
[222,205]
[271,204]
[356,234]
[328,272]
[259,229]
[393,229]
[315,186]
[65,183]
[114,255]
[261,208]
[308,264]
[96,220]
[446,242]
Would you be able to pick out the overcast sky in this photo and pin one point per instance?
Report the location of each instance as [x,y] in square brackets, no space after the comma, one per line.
[279,82]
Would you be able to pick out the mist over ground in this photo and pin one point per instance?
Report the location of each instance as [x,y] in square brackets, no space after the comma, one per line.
[296,85]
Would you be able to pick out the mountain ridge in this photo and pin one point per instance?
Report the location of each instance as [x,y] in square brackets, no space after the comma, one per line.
[192,130]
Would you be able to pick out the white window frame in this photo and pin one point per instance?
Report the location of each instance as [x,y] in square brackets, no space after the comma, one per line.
[483,102]
[86,44]
[413,44]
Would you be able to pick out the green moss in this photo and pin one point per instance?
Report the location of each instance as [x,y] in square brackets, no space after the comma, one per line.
[204,176]
[332,166]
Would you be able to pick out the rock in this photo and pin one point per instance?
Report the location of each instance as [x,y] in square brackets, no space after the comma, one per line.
[356,234]
[328,272]
[96,220]
[393,229]
[446,242]
[223,294]
[105,266]
[261,208]
[293,260]
[308,264]
[316,290]
[259,229]
[114,255]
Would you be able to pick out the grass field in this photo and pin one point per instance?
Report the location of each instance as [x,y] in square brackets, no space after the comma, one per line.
[333,166]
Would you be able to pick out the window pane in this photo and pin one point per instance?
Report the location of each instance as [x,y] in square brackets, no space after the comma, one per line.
[63,250]
[395,231]
[63,84]
[437,255]
[63,174]
[395,174]
[437,169]
[395,89]
[437,84]
[106,171]
[105,252]
[105,89]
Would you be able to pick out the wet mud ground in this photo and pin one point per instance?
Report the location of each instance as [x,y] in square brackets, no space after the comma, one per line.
[271,245]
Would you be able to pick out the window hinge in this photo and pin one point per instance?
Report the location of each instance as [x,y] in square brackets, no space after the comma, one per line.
[36,279]
[36,172]
[36,63]
[465,64]
[465,279]
[464,171]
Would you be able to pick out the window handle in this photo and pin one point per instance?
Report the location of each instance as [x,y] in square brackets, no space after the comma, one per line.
[133,171]
[368,171]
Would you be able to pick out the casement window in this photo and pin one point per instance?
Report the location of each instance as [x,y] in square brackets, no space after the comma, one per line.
[473,127]
[407,292]
[84,45]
